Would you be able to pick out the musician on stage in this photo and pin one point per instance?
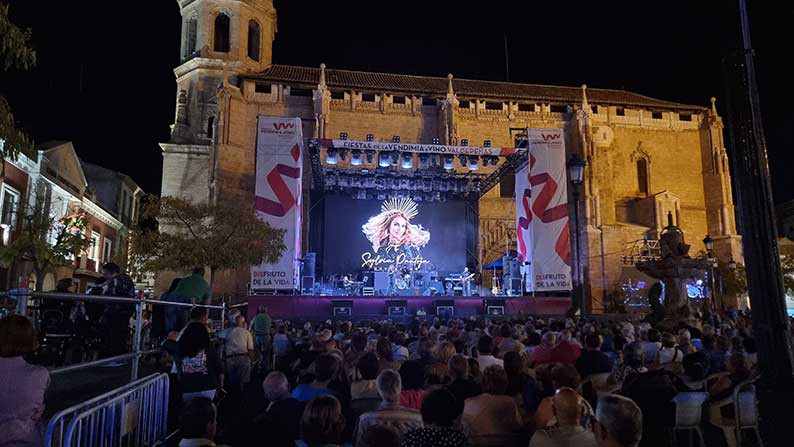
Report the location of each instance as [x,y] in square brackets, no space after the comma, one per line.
[394,238]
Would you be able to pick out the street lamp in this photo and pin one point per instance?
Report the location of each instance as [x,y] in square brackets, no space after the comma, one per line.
[708,242]
[731,265]
[576,174]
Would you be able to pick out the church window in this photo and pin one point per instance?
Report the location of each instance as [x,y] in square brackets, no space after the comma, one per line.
[253,40]
[464,104]
[300,92]
[507,186]
[685,117]
[594,108]
[558,108]
[642,175]
[263,88]
[221,40]
[336,94]
[210,127]
[429,101]
[398,99]
[620,111]
[191,29]
[494,106]
[656,115]
[522,107]
[368,97]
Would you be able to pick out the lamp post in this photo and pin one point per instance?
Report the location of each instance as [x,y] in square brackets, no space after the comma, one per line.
[708,242]
[576,174]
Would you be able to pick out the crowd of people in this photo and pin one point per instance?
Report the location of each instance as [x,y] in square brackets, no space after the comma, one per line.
[432,382]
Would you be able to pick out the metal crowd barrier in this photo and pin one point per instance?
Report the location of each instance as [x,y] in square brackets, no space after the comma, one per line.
[23,295]
[135,414]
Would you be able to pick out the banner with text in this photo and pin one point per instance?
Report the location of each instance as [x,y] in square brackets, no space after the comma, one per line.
[548,211]
[523,226]
[279,162]
[415,147]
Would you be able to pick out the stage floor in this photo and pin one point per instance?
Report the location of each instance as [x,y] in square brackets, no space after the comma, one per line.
[320,307]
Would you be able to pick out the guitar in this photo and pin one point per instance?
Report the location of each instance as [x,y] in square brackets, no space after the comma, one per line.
[495,286]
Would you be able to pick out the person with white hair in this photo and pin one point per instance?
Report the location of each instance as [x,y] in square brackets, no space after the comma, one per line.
[389,413]
[280,423]
[618,422]
[238,351]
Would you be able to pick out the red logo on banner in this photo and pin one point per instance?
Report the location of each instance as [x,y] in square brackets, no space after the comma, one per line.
[275,179]
[287,125]
[552,136]
[547,215]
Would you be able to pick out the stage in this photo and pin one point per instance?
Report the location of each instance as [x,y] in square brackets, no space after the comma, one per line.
[321,307]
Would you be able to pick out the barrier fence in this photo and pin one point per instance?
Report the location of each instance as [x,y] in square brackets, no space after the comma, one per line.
[135,414]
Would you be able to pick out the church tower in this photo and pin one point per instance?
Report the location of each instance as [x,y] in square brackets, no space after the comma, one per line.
[220,39]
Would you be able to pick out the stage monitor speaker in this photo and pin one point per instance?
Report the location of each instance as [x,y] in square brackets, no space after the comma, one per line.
[309,264]
[307,284]
[382,282]
[494,307]
[396,307]
[342,308]
[444,308]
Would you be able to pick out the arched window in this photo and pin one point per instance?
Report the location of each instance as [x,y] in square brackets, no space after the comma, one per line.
[191,29]
[221,33]
[642,175]
[253,40]
[210,127]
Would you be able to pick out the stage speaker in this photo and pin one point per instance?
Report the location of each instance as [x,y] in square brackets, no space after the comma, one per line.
[494,307]
[444,308]
[396,307]
[307,284]
[309,264]
[342,308]
[515,286]
[381,282]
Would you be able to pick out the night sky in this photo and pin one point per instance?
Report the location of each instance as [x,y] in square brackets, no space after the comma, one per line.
[105,74]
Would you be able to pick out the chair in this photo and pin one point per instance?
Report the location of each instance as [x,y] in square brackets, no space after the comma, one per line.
[712,379]
[745,414]
[688,415]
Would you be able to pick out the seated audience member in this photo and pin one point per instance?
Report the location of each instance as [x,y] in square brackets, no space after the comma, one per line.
[438,372]
[696,368]
[386,355]
[322,423]
[381,436]
[718,354]
[520,385]
[399,351]
[491,413]
[751,352]
[197,423]
[738,372]
[412,375]
[198,364]
[389,414]
[438,415]
[485,348]
[592,360]
[651,342]
[669,353]
[685,341]
[543,353]
[325,370]
[461,386]
[561,376]
[566,351]
[280,423]
[363,386]
[358,346]
[568,408]
[618,422]
[22,385]
[633,363]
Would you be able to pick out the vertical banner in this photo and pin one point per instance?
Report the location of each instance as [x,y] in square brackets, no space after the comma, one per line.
[523,227]
[277,201]
[550,233]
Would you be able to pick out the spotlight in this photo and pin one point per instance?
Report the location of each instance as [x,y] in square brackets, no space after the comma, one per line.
[474,163]
[486,143]
[370,137]
[464,142]
[384,159]
[355,157]
[395,139]
[370,154]
[408,160]
[436,140]
[343,136]
[449,162]
[330,156]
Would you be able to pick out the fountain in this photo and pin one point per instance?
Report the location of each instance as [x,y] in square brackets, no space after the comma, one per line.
[673,268]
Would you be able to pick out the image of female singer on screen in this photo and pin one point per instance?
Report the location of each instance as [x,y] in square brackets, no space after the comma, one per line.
[392,234]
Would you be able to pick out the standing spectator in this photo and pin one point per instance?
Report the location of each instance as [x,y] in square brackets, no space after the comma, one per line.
[592,360]
[389,413]
[322,423]
[461,386]
[198,364]
[191,289]
[261,327]
[238,352]
[325,369]
[491,413]
[197,423]
[438,415]
[280,423]
[485,347]
[22,385]
[412,376]
[568,407]
[117,316]
[618,422]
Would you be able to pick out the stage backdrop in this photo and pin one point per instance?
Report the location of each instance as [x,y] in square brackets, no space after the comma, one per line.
[435,235]
[279,161]
[542,212]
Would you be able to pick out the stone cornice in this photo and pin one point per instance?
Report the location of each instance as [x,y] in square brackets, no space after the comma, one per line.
[187,149]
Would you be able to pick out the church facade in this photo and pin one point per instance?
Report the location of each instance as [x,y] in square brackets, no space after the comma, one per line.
[646,158]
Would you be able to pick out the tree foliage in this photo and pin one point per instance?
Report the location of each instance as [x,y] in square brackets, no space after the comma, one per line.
[221,236]
[47,241]
[15,52]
